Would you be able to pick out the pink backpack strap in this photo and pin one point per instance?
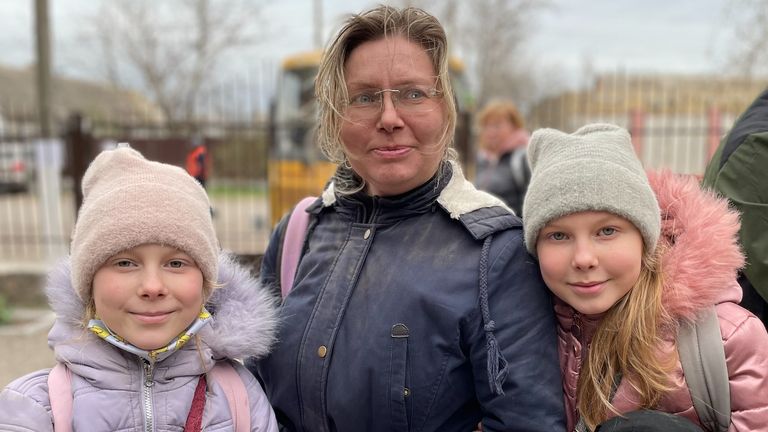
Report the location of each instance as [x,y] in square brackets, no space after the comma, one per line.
[295,233]
[60,395]
[227,377]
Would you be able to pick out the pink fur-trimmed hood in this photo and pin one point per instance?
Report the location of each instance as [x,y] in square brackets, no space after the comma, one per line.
[700,234]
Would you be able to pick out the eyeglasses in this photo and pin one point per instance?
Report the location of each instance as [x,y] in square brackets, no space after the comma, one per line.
[412,99]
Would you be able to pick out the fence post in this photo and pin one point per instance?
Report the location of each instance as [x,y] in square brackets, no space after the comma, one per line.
[80,145]
[714,130]
[637,130]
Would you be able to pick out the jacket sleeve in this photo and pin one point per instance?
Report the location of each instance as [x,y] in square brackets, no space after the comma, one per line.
[521,309]
[262,415]
[24,404]
[746,355]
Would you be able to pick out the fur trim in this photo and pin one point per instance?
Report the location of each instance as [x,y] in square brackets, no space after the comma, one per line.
[700,235]
[460,197]
[245,321]
[244,312]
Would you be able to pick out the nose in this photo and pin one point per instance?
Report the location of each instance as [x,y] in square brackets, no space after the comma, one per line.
[584,255]
[152,285]
[390,119]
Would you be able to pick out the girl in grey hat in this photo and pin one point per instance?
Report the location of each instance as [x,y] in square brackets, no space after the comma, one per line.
[631,258]
[150,315]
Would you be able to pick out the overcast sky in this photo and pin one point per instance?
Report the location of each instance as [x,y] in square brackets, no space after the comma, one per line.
[652,35]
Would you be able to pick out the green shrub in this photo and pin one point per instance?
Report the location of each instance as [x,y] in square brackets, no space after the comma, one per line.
[5,311]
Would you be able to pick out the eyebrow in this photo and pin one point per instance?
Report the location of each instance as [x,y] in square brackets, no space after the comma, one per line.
[366,85]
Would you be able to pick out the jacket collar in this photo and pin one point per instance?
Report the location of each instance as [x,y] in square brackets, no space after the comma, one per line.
[481,213]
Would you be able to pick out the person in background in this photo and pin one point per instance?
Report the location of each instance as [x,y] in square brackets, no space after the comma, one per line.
[502,169]
[738,172]
[631,258]
[148,310]
[197,162]
[414,305]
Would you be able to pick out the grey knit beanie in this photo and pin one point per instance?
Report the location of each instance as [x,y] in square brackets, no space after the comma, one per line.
[129,201]
[592,169]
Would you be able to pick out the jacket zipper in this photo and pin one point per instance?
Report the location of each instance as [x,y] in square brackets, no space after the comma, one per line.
[147,394]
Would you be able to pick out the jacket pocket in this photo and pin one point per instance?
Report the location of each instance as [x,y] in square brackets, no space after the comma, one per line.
[399,393]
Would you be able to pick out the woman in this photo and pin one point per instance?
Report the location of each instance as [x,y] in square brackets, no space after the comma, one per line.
[415,305]
[501,163]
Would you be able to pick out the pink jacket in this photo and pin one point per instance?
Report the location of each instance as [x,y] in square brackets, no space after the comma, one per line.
[700,268]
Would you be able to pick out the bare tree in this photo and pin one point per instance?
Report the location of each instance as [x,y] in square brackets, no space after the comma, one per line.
[172,47]
[747,46]
[490,36]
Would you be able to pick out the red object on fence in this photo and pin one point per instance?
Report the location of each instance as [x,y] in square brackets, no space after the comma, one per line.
[637,130]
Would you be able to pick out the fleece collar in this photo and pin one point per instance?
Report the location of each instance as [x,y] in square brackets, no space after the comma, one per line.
[459,197]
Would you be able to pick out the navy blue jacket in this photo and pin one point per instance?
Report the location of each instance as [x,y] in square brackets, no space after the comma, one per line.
[385,329]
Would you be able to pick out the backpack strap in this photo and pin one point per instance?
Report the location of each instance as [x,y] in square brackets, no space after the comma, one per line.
[702,356]
[237,397]
[293,243]
[60,396]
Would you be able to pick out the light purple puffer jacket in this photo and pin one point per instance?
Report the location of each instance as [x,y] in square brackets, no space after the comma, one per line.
[699,266]
[108,383]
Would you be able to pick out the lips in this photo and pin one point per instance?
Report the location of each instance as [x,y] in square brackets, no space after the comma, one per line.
[151,317]
[392,151]
[590,287]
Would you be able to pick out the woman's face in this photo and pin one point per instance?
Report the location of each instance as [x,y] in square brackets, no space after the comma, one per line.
[398,147]
[590,260]
[495,132]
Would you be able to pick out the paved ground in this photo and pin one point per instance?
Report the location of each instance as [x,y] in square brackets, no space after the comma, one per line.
[24,346]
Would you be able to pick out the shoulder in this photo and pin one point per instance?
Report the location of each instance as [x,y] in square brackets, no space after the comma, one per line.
[24,403]
[745,340]
[735,321]
[480,212]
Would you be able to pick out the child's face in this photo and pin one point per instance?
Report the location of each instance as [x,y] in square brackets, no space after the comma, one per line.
[148,294]
[590,260]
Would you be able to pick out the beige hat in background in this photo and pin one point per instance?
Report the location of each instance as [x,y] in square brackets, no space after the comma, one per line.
[129,201]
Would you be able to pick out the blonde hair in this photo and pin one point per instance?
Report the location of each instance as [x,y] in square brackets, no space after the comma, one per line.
[628,342]
[504,109]
[413,24]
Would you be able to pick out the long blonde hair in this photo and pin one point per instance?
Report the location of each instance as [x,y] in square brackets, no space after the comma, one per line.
[413,24]
[627,344]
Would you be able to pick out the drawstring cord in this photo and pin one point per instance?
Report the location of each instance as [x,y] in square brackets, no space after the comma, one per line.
[497,364]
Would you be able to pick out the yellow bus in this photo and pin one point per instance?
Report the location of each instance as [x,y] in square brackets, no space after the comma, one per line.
[296,166]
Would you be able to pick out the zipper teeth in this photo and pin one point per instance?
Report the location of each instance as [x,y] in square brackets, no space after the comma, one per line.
[147,392]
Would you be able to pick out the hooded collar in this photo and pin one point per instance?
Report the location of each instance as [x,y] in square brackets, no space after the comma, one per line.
[243,324]
[699,234]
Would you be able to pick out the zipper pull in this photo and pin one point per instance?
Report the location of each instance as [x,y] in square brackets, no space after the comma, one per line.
[148,382]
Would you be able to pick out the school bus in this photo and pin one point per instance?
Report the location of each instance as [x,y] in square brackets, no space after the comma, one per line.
[296,165]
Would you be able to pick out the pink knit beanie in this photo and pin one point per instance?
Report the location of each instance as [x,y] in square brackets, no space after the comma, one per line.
[129,201]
